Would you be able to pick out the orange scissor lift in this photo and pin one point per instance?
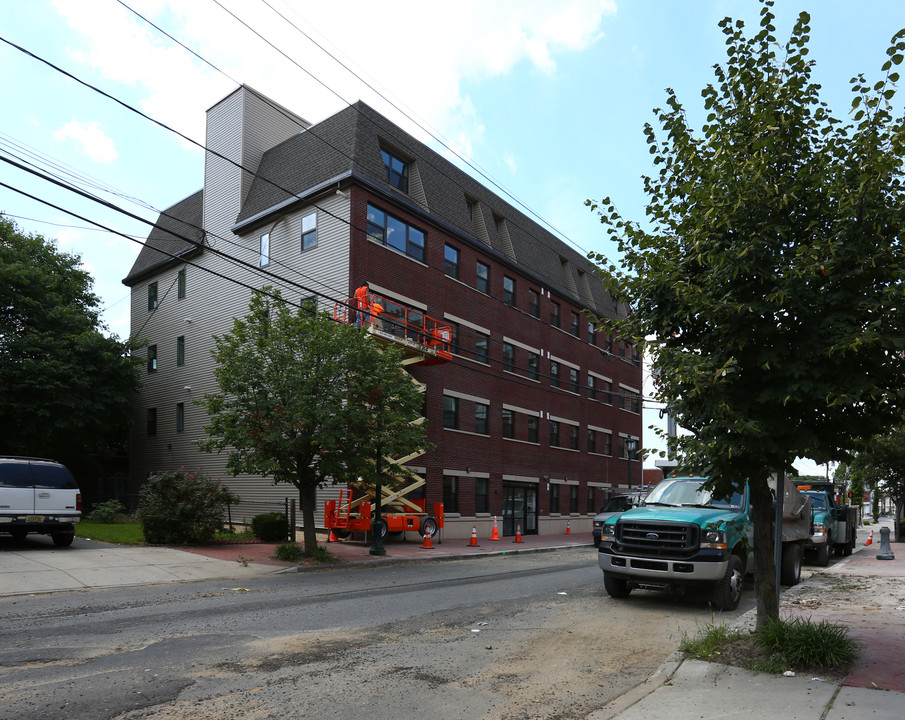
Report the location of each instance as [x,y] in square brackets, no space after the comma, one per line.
[425,341]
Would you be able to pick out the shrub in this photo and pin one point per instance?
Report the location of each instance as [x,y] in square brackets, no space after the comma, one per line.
[288,552]
[293,552]
[180,507]
[106,512]
[802,644]
[269,527]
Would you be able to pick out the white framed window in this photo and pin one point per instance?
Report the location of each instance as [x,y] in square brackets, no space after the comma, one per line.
[309,231]
[265,249]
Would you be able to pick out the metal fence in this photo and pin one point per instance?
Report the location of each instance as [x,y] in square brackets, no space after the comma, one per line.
[243,512]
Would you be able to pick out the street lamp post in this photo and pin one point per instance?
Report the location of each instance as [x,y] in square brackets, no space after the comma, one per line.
[377,521]
[631,445]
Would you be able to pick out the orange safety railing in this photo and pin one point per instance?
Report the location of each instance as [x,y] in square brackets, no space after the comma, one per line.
[393,318]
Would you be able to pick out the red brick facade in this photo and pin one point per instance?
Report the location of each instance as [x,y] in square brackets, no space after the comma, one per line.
[467,454]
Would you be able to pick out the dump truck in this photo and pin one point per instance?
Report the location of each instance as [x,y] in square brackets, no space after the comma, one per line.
[684,536]
[835,525]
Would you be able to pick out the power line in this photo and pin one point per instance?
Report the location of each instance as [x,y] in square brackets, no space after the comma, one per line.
[181,135]
[312,132]
[164,126]
[423,126]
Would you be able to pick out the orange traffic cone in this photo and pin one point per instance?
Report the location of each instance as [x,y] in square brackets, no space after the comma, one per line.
[474,537]
[870,538]
[569,527]
[332,537]
[495,535]
[426,545]
[518,533]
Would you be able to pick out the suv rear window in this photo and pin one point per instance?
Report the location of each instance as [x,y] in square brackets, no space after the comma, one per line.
[14,474]
[55,477]
[24,474]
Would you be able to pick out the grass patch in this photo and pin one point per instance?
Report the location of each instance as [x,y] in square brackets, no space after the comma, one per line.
[710,642]
[782,644]
[126,533]
[130,533]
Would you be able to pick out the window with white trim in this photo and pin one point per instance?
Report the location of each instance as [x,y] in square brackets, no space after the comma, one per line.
[309,231]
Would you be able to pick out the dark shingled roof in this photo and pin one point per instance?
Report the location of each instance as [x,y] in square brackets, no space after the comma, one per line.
[166,239]
[350,142]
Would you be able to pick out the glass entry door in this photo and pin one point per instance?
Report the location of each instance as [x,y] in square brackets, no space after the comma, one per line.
[519,509]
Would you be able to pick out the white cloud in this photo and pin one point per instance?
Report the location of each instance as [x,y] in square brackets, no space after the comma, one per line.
[510,161]
[415,53]
[91,139]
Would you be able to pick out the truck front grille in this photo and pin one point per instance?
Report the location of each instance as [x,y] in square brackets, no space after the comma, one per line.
[657,539]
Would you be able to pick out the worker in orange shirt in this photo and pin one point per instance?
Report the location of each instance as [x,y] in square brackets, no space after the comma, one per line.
[362,303]
[376,321]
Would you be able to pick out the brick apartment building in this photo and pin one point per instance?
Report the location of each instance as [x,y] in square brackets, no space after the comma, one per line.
[530,417]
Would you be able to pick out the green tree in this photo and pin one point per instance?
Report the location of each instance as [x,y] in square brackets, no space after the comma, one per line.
[308,401]
[767,285]
[882,460]
[65,387]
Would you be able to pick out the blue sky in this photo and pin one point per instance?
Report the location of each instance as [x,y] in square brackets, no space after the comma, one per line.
[547,98]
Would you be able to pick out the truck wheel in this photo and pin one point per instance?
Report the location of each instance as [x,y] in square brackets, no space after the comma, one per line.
[62,539]
[823,553]
[615,586]
[428,526]
[379,527]
[728,591]
[790,570]
[848,548]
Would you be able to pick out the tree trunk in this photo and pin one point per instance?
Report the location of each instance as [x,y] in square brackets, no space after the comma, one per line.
[764,566]
[307,500]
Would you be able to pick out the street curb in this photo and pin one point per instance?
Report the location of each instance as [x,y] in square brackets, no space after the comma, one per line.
[425,558]
[662,676]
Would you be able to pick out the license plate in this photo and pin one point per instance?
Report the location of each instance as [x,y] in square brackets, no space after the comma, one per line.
[34,518]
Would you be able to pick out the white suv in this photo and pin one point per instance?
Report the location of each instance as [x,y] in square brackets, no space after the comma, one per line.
[38,496]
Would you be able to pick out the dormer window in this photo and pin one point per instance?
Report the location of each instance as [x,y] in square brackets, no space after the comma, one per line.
[397,171]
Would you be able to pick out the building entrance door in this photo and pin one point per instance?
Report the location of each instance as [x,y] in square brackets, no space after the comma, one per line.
[519,509]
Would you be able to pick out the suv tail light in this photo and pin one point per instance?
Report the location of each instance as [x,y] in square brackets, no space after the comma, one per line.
[78,502]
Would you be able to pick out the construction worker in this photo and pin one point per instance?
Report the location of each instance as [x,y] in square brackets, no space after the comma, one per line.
[375,310]
[362,302]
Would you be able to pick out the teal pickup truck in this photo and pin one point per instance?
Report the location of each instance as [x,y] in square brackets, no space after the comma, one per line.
[682,536]
[835,525]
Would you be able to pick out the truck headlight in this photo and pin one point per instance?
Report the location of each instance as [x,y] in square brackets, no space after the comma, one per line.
[819,528]
[714,540]
[609,532]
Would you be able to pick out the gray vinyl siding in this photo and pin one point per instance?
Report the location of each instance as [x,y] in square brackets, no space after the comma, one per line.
[323,270]
[211,303]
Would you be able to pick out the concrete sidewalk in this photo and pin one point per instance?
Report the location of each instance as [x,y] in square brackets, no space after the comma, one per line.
[37,566]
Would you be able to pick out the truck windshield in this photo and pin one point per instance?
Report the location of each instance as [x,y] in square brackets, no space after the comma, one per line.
[818,501]
[688,491]
[619,504]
